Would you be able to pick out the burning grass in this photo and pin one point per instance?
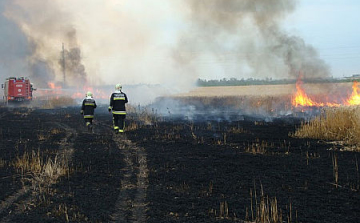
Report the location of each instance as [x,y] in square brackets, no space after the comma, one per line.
[336,124]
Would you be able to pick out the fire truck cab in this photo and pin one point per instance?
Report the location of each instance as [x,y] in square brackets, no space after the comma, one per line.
[17,89]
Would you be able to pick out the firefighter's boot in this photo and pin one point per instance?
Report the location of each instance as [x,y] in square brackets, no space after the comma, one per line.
[90,128]
[116,129]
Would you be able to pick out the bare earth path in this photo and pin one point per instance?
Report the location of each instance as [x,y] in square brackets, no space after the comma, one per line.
[132,208]
[112,169]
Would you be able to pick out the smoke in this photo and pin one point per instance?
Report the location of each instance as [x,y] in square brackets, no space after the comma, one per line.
[249,33]
[46,27]
[71,62]
[167,44]
[13,47]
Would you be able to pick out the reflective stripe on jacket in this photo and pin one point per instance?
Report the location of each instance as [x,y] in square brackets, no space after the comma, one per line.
[88,107]
[118,100]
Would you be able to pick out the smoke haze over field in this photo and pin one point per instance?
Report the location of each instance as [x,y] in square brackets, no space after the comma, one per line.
[156,42]
[249,33]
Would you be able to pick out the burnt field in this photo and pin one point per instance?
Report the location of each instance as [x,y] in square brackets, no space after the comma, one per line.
[169,170]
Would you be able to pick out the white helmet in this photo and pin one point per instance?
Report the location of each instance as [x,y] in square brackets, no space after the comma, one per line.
[118,87]
[89,94]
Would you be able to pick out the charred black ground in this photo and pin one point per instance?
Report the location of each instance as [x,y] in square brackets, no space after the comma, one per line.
[194,168]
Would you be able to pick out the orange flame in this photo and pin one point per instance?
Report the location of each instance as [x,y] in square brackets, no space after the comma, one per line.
[301,98]
[53,86]
[354,98]
[99,94]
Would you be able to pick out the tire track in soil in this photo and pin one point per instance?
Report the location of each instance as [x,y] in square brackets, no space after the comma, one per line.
[65,153]
[131,204]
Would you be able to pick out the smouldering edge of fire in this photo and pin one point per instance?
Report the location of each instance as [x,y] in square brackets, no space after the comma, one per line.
[299,99]
[302,99]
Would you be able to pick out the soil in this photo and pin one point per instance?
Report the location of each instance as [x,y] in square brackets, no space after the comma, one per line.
[171,170]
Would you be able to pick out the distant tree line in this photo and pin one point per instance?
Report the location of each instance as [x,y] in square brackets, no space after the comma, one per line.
[267,81]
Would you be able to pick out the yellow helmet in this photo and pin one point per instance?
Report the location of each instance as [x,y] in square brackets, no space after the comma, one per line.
[118,87]
[89,94]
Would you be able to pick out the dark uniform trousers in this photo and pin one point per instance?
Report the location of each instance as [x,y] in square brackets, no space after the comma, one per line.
[87,109]
[119,121]
[117,106]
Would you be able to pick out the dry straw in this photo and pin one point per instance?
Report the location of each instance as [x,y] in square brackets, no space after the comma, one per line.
[42,172]
[335,124]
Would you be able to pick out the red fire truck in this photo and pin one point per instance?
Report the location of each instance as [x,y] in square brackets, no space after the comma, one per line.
[17,89]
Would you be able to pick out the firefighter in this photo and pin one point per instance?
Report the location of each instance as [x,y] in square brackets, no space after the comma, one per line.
[87,110]
[118,100]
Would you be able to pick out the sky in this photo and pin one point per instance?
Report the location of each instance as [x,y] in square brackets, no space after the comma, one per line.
[331,26]
[173,43]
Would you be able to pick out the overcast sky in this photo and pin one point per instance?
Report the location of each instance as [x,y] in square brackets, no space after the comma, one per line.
[332,27]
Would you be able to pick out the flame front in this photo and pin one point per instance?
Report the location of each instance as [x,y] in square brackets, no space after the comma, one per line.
[301,98]
[354,98]
[53,85]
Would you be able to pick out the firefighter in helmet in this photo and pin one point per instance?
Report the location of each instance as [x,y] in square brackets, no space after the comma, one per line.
[118,99]
[87,110]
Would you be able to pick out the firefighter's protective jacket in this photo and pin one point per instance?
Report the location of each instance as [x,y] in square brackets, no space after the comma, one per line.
[118,100]
[88,107]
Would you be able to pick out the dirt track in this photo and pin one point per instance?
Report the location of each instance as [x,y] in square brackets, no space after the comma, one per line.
[171,171]
[107,178]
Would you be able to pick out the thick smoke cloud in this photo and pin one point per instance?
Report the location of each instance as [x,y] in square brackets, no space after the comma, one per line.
[71,62]
[249,32]
[45,25]
[156,42]
[13,47]
[106,42]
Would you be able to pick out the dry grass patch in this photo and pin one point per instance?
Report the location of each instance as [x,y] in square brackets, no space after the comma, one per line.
[68,214]
[2,163]
[42,136]
[337,124]
[39,171]
[257,147]
[264,209]
[55,131]
[39,174]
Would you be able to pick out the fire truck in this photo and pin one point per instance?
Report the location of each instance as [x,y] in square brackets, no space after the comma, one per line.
[17,89]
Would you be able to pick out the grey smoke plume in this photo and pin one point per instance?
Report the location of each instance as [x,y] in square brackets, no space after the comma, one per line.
[13,47]
[71,61]
[40,73]
[158,42]
[42,22]
[74,69]
[106,42]
[249,32]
